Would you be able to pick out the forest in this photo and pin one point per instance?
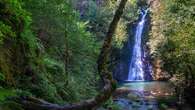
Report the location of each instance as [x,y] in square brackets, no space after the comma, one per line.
[97,54]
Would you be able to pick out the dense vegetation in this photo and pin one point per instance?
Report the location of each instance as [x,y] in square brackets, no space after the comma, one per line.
[180,34]
[174,41]
[50,52]
[40,51]
[179,54]
[49,48]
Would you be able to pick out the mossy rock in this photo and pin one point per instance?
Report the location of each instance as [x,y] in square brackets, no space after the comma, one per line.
[136,105]
[150,107]
[134,97]
[163,106]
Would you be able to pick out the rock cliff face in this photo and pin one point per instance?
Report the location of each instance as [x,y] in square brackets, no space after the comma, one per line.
[157,40]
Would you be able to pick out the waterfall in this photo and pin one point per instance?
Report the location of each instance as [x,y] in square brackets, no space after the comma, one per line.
[136,67]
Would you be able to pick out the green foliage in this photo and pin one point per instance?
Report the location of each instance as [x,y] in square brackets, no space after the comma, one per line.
[48,52]
[179,50]
[16,25]
[120,35]
[5,31]
[17,41]
[22,46]
[2,77]
[111,105]
[4,93]
[100,16]
[71,52]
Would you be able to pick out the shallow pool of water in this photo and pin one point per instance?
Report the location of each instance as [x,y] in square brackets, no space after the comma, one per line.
[149,86]
[142,95]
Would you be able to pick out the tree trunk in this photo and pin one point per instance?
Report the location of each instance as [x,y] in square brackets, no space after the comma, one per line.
[30,103]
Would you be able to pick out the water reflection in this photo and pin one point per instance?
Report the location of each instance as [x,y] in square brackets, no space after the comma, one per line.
[155,87]
[142,95]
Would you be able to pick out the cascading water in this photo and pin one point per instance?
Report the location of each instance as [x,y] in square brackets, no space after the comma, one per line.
[136,67]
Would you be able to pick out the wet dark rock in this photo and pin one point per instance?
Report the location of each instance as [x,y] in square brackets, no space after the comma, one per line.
[147,103]
[130,103]
[141,103]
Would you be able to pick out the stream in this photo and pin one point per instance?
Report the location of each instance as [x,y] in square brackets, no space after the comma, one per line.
[154,95]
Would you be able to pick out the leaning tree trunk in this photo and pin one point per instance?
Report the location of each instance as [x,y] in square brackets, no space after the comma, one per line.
[30,103]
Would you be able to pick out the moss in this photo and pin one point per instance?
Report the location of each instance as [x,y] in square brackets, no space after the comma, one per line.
[4,93]
[2,77]
[5,31]
[17,43]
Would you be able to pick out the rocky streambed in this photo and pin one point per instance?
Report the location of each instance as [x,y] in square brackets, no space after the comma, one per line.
[146,96]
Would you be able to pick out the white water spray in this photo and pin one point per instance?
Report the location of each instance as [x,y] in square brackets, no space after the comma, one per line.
[136,71]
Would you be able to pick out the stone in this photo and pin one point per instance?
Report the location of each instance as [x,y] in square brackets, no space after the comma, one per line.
[150,107]
[134,97]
